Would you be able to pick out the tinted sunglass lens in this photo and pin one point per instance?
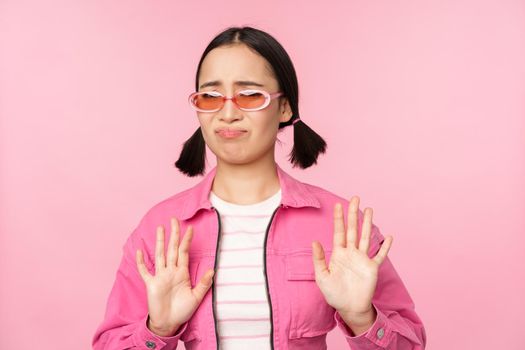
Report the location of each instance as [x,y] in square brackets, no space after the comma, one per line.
[250,100]
[207,101]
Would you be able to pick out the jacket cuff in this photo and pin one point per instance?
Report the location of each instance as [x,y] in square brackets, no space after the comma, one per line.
[145,339]
[379,334]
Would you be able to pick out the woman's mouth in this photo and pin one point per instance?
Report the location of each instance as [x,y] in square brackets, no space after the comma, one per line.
[230,133]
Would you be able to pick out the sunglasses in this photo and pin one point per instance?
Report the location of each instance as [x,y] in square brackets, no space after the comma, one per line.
[245,100]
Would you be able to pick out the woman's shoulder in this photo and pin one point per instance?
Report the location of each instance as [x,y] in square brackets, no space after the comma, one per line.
[325,195]
[329,198]
[158,213]
[170,205]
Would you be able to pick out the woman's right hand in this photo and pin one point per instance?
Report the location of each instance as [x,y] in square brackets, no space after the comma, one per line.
[171,300]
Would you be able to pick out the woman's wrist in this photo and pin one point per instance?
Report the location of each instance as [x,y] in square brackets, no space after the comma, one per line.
[359,323]
[162,331]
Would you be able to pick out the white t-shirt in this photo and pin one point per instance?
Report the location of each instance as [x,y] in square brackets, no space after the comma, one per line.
[243,312]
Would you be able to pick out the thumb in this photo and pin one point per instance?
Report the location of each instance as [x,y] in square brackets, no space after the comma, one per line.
[321,270]
[204,284]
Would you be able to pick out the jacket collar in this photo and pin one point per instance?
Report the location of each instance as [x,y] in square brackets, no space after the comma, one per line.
[294,193]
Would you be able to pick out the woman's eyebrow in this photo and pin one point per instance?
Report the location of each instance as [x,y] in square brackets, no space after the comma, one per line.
[238,82]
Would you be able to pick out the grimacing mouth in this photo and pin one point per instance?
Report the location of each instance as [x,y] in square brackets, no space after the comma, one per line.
[229,129]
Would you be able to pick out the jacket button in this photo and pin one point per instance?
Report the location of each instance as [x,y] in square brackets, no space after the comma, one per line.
[151,344]
[380,333]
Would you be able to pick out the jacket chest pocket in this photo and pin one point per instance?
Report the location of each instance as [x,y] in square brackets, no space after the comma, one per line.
[310,314]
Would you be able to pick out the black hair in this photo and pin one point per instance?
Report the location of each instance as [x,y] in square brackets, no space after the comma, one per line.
[307,143]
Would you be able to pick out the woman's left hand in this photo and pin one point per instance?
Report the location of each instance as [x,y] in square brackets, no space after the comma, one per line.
[349,281]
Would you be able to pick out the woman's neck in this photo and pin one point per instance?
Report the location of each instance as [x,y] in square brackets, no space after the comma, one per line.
[247,183]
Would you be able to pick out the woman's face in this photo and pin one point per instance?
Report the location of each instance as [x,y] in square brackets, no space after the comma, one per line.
[234,68]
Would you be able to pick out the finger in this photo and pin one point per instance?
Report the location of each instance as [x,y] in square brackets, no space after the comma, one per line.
[351,235]
[339,226]
[385,248]
[173,243]
[203,285]
[144,273]
[185,247]
[320,268]
[366,228]
[159,250]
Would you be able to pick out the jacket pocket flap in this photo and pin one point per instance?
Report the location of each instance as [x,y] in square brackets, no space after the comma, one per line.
[300,266]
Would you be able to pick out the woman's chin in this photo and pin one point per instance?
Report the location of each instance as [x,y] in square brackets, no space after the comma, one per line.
[232,158]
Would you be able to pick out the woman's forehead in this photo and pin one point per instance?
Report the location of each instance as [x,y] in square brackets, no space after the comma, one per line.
[235,66]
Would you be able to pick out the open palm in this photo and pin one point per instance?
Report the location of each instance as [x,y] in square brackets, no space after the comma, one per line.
[349,281]
[171,298]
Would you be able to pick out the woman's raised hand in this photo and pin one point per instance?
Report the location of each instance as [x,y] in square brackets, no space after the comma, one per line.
[348,283]
[171,300]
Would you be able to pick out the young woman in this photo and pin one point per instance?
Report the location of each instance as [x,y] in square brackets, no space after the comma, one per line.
[266,261]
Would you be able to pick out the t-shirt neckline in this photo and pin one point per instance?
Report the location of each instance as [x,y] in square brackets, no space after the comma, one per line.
[273,198]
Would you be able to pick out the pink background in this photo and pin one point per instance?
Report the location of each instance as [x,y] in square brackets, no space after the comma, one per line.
[429,131]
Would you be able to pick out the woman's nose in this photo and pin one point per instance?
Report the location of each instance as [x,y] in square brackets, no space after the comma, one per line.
[229,110]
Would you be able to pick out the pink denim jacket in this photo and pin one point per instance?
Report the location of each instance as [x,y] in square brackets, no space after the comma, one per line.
[299,314]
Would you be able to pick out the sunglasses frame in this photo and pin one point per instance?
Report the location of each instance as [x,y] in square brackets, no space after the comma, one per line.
[267,96]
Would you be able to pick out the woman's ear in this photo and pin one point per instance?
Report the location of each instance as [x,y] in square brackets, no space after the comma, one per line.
[285,111]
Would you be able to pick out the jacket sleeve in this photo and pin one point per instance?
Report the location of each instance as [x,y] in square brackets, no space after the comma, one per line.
[125,320]
[397,326]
